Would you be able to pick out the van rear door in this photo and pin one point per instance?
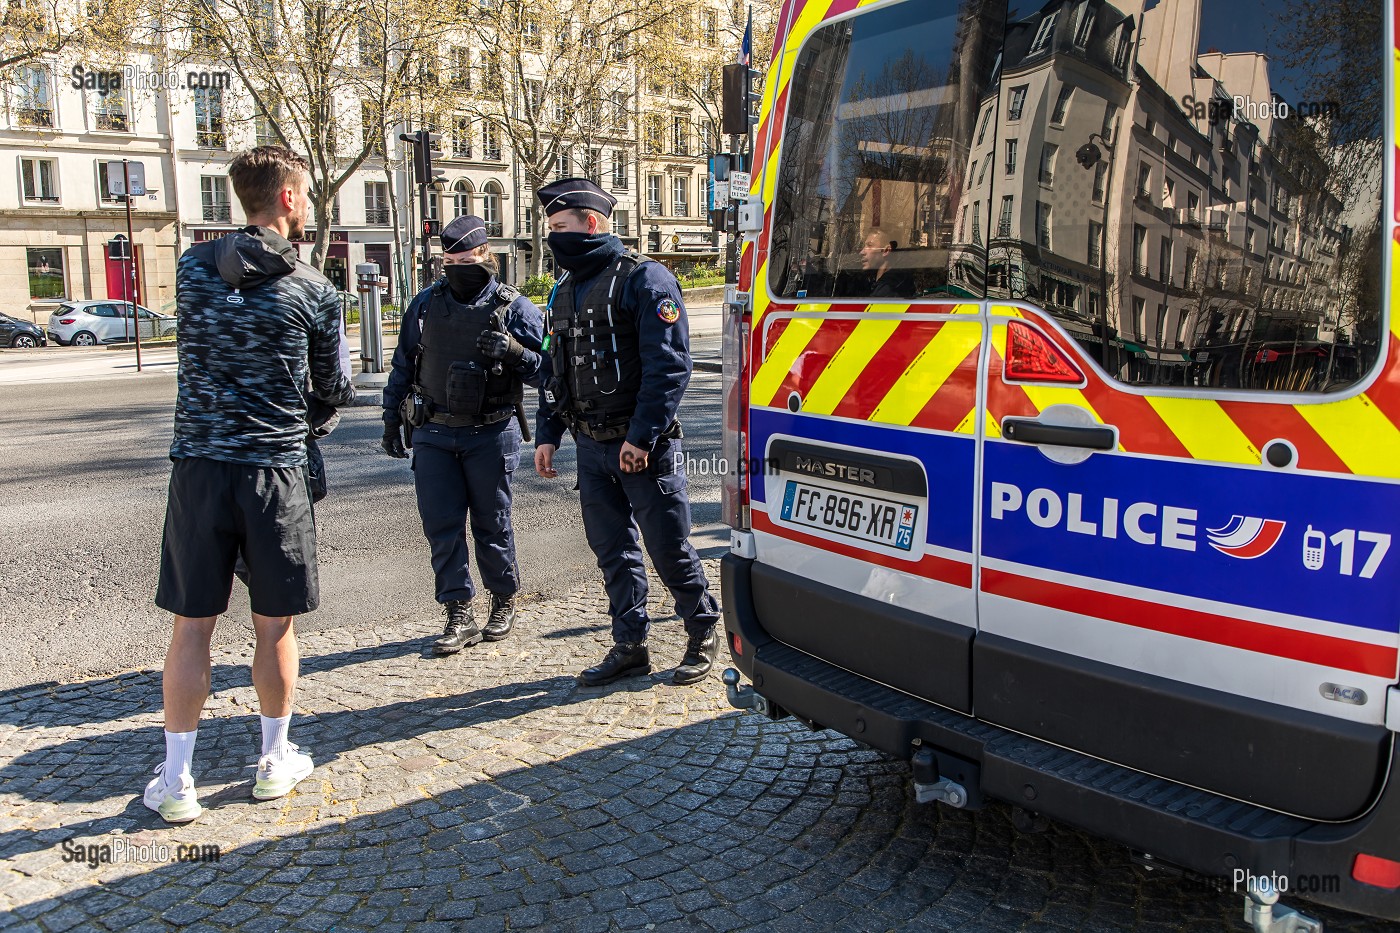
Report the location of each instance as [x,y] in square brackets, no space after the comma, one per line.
[1189,485]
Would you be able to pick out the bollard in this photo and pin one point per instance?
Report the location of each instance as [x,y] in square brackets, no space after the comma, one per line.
[368,283]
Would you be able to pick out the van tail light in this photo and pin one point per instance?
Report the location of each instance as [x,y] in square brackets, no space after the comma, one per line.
[1031,357]
[736,644]
[734,389]
[1372,869]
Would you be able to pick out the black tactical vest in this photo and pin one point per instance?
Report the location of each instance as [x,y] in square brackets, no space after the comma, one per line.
[595,352]
[458,380]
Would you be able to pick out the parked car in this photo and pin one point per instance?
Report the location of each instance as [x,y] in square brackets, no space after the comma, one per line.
[17,333]
[88,323]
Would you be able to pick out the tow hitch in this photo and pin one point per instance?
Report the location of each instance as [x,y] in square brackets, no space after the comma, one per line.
[1265,914]
[744,697]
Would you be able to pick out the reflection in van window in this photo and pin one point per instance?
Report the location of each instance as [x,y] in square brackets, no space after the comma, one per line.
[882,116]
[1226,232]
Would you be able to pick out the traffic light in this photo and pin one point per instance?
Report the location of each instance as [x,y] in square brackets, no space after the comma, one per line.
[739,98]
[426,146]
[432,228]
[429,147]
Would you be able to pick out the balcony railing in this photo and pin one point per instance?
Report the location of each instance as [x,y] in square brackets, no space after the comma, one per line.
[1004,228]
[217,213]
[378,216]
[35,116]
[494,229]
[654,208]
[112,121]
[211,139]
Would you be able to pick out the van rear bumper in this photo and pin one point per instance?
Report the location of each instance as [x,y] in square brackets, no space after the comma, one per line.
[1205,833]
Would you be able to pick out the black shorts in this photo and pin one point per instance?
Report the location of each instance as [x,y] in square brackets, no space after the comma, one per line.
[217,511]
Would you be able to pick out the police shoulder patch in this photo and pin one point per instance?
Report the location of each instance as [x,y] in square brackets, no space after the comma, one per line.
[669,311]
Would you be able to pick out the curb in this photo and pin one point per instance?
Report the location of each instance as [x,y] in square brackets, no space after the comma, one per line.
[707,366]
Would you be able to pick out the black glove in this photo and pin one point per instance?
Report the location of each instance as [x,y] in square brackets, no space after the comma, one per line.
[500,346]
[393,442]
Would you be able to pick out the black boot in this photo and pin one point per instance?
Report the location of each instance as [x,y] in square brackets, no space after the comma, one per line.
[502,618]
[461,631]
[700,653]
[623,660]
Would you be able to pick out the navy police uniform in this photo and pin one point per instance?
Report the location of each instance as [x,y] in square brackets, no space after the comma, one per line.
[464,410]
[617,365]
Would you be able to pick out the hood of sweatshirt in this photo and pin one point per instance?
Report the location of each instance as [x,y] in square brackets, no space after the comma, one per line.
[252,256]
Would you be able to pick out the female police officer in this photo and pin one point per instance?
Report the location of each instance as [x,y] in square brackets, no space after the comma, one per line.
[466,346]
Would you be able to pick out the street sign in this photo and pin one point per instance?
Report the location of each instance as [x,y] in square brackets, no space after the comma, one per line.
[721,193]
[116,182]
[739,186]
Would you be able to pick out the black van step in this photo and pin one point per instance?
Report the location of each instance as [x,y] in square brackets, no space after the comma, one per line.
[1099,796]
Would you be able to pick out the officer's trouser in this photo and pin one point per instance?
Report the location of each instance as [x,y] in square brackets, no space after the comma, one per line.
[615,505]
[467,471]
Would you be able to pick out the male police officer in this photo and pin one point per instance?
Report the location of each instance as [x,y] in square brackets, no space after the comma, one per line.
[454,395]
[618,362]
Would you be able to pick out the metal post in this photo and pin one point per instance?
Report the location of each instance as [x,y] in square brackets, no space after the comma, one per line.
[130,286]
[368,282]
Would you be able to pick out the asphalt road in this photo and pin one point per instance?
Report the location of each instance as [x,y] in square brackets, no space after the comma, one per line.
[83,474]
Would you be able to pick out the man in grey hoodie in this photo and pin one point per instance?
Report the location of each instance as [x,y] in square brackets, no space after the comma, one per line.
[259,334]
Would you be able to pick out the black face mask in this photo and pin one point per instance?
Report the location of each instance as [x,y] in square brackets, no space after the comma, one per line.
[466,281]
[584,254]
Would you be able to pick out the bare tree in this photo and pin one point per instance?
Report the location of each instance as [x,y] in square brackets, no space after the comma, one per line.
[37,29]
[356,66]
[555,74]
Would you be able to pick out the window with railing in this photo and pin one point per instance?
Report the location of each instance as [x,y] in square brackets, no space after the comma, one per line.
[622,223]
[490,142]
[680,135]
[654,195]
[110,112]
[619,170]
[461,59]
[1047,163]
[1004,222]
[1095,243]
[263,131]
[35,99]
[1100,182]
[653,131]
[39,179]
[491,209]
[680,196]
[209,118]
[213,199]
[377,203]
[461,138]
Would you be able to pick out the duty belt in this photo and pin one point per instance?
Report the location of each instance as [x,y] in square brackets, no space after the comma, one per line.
[469,421]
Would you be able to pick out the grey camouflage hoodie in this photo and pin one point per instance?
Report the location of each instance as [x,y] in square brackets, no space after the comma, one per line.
[256,327]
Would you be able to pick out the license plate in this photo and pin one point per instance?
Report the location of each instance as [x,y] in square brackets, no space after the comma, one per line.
[854,515]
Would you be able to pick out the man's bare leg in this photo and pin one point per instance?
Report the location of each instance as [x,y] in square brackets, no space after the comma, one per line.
[185,687]
[185,683]
[276,661]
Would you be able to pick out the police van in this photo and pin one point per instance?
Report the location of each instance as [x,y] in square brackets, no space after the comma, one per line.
[1062,339]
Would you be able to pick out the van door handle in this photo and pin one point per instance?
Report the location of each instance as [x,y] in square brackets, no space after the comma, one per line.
[1030,431]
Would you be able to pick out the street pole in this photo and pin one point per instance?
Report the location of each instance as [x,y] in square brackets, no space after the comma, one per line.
[130,285]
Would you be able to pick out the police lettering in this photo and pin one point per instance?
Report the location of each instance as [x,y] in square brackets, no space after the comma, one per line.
[1142,522]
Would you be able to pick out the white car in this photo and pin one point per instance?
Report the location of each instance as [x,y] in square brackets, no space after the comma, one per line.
[89,323]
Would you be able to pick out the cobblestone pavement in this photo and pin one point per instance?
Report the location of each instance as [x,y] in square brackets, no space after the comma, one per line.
[489,791]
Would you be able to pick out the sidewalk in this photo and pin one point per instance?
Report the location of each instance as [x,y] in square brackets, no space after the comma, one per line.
[488,787]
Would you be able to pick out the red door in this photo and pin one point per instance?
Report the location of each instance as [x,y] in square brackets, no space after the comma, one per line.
[116,269]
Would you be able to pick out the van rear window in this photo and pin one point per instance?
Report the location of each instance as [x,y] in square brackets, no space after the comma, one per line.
[1206,216]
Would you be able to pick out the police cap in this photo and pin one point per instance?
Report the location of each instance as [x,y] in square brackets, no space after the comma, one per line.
[463,234]
[575,193]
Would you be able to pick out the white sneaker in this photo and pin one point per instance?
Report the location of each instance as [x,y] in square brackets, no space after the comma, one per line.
[280,771]
[174,804]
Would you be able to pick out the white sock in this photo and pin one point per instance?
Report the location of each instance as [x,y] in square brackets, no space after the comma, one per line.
[274,732]
[179,754]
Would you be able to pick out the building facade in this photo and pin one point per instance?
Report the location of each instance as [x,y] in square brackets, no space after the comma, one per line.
[60,132]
